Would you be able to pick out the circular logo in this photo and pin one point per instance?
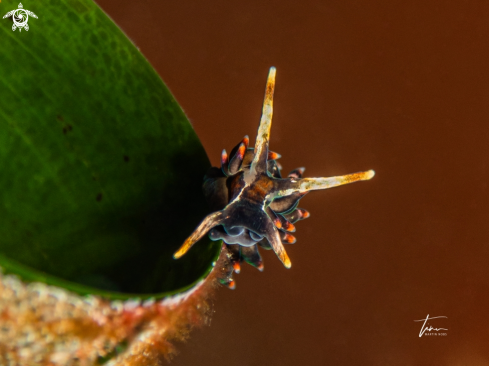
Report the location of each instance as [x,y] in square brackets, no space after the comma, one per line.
[20,18]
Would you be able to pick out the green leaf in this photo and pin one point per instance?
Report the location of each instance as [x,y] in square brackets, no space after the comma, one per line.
[100,170]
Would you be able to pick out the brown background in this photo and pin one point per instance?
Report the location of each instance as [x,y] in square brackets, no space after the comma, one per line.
[401,87]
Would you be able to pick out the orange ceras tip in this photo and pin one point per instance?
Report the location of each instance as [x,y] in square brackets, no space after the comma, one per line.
[289,238]
[242,150]
[232,285]
[289,226]
[224,156]
[260,267]
[273,155]
[246,141]
[278,223]
[237,267]
[304,214]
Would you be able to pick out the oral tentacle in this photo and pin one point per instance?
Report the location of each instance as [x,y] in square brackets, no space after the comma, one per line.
[273,237]
[287,187]
[208,223]
[258,165]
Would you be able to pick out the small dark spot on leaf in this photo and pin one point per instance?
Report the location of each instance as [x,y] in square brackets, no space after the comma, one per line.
[67,129]
[60,117]
[126,158]
[94,177]
[99,197]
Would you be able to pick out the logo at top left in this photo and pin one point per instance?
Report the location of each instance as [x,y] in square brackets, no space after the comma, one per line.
[20,17]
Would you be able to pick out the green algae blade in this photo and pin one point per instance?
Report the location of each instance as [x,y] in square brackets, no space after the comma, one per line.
[100,170]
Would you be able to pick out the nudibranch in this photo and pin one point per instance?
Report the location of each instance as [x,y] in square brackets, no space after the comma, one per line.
[253,204]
